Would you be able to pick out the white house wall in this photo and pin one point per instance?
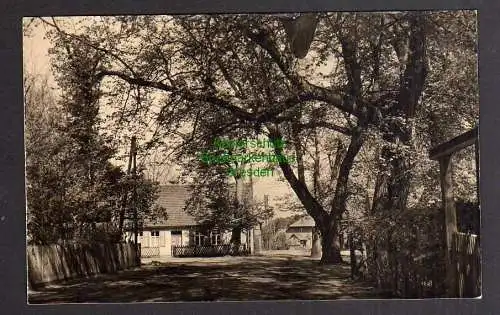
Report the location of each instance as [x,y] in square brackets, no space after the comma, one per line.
[185,238]
[167,249]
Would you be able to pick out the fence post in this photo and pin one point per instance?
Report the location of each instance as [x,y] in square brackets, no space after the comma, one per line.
[257,240]
[450,220]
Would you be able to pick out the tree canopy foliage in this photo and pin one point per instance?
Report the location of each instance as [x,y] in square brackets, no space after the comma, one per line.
[74,192]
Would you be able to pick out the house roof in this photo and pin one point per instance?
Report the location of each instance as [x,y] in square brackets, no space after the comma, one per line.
[173,199]
[306,221]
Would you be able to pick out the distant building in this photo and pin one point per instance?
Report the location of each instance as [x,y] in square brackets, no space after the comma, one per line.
[299,234]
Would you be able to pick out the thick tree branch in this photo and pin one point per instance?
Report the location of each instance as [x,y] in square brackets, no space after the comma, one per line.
[416,67]
[351,63]
[317,94]
[341,189]
[187,94]
[304,88]
[327,125]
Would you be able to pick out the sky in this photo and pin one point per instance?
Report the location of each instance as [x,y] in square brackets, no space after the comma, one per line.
[37,62]
[36,54]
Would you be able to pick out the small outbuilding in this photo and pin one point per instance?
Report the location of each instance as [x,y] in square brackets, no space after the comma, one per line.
[299,234]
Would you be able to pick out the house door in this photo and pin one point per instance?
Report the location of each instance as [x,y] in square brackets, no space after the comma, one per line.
[176,238]
[155,235]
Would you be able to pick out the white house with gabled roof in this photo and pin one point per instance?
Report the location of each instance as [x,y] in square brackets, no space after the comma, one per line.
[179,229]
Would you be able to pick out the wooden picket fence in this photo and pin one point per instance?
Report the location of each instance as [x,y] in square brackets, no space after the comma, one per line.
[400,274]
[57,262]
[466,257]
[405,275]
[210,250]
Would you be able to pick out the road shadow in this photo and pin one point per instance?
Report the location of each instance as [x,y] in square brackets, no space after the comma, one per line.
[235,279]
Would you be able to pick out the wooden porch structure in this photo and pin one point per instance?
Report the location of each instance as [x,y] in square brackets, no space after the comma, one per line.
[463,267]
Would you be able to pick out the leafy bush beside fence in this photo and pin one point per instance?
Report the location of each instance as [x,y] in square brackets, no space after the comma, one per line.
[405,253]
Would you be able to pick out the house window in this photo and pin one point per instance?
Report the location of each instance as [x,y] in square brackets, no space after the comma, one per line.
[176,238]
[155,237]
[215,238]
[196,238]
[140,233]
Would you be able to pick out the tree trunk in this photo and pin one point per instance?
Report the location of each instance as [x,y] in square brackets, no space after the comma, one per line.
[327,222]
[316,244]
[365,270]
[335,164]
[330,245]
[392,191]
[352,254]
[236,235]
[299,152]
[316,166]
[311,204]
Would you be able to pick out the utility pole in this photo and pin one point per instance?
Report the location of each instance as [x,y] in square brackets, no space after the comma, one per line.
[266,244]
[134,191]
[121,218]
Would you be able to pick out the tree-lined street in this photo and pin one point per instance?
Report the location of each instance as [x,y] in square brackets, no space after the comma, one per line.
[359,98]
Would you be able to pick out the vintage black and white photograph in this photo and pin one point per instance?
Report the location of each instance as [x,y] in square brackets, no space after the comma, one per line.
[241,157]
